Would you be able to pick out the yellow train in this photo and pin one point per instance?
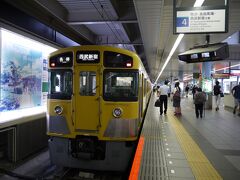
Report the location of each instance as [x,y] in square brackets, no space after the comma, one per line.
[96,103]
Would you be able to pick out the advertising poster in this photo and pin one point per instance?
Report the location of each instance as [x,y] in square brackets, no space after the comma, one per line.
[21,72]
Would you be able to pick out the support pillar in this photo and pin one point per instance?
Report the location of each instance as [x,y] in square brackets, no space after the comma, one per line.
[180,78]
[206,83]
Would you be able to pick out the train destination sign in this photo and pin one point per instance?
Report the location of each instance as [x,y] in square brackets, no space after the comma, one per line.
[88,57]
[62,60]
[200,20]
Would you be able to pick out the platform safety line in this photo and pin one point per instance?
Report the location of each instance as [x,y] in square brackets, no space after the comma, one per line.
[200,165]
[137,160]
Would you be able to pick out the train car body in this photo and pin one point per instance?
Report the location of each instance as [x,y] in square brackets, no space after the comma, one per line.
[96,102]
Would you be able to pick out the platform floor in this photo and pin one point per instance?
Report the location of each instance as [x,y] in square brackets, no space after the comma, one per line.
[174,148]
[187,148]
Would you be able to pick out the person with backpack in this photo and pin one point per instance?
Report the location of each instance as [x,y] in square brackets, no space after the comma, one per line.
[217,92]
[199,101]
[236,94]
[177,99]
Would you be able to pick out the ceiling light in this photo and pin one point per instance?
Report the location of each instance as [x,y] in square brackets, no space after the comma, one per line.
[177,42]
[198,3]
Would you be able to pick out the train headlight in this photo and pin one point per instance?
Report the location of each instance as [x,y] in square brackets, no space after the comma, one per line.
[117,112]
[58,110]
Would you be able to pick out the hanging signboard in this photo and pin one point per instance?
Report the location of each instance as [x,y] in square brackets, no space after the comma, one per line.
[200,20]
[204,53]
[235,72]
[221,76]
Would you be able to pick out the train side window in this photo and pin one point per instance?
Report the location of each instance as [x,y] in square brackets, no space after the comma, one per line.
[87,83]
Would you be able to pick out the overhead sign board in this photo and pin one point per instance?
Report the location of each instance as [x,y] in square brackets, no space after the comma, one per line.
[209,52]
[235,72]
[221,76]
[200,20]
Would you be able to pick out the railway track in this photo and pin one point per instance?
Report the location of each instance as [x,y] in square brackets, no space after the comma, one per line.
[76,174]
[64,174]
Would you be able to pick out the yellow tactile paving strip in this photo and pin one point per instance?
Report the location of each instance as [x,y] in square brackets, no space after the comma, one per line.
[201,167]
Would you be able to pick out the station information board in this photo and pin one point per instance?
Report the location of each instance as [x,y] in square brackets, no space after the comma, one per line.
[201,20]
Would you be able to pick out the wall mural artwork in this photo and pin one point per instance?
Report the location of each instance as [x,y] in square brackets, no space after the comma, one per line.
[21,72]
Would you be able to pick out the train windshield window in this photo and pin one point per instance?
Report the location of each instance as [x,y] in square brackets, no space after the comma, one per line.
[120,85]
[60,84]
[87,83]
[114,59]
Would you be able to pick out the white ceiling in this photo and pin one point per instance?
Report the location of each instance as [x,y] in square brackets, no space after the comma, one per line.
[143,26]
[167,38]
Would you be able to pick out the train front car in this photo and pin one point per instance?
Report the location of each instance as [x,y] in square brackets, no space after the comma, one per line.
[96,101]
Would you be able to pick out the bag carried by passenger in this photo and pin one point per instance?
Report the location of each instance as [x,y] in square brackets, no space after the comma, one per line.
[157,103]
[176,96]
[221,94]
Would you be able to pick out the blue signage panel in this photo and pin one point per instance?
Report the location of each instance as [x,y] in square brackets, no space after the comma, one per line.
[182,21]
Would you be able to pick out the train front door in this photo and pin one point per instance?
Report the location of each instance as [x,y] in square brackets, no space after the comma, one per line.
[87,116]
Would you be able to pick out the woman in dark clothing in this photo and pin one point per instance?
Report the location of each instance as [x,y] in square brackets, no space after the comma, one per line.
[217,90]
[194,89]
[177,99]
[199,100]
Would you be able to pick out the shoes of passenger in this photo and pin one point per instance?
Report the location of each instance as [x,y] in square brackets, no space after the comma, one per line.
[200,116]
[234,111]
[165,112]
[160,113]
[197,117]
[178,114]
[217,108]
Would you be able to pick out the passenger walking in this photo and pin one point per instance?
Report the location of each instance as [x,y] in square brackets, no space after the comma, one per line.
[236,94]
[186,90]
[157,89]
[194,90]
[217,91]
[169,91]
[199,101]
[163,92]
[177,99]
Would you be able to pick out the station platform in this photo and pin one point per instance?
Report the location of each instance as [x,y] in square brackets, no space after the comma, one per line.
[187,148]
[173,148]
